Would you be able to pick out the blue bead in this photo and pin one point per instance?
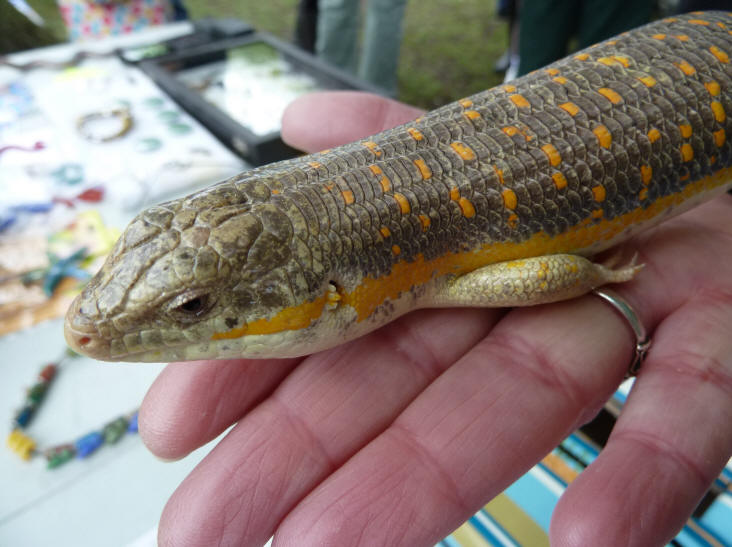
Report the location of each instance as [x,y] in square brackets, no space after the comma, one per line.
[132,427]
[88,444]
[24,416]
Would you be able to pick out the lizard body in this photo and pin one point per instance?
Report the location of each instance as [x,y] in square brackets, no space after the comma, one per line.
[494,200]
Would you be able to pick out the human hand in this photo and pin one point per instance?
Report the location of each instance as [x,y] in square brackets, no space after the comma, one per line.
[398,437]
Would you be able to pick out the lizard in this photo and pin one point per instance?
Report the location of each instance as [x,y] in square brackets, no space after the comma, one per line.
[498,199]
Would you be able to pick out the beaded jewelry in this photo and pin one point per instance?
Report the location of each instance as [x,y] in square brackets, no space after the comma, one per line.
[25,446]
[122,115]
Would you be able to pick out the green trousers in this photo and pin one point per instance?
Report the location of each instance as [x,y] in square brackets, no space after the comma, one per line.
[547,26]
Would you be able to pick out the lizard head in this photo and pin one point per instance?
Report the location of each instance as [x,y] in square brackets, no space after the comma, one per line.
[212,275]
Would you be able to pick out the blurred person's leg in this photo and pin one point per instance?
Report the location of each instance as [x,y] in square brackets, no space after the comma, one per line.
[686,6]
[337,33]
[306,24]
[546,28]
[514,38]
[507,10]
[382,40]
[602,19]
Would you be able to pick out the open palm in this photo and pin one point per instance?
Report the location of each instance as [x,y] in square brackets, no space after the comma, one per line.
[398,437]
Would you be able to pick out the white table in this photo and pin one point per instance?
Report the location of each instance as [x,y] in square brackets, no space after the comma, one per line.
[114,497]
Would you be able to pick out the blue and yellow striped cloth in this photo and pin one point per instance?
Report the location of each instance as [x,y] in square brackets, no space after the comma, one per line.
[521,514]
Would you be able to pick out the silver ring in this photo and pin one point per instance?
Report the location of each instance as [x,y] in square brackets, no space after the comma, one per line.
[642,340]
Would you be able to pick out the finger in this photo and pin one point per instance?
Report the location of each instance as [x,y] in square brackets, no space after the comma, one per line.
[670,442]
[191,403]
[323,120]
[329,407]
[177,414]
[480,425]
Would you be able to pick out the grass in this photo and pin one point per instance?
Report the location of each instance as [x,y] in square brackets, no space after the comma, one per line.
[448,48]
[18,33]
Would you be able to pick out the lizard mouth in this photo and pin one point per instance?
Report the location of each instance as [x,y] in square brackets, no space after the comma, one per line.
[82,335]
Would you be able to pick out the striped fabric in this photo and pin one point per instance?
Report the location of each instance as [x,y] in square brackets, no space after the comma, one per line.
[520,516]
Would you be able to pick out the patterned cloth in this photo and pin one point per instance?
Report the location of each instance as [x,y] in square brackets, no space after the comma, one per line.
[520,516]
[92,19]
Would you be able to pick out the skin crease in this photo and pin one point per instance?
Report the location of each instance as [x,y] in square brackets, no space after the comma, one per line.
[398,437]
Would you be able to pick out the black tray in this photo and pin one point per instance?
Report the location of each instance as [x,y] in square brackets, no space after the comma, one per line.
[256,148]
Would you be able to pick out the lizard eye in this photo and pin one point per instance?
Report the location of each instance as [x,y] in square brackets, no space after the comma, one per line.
[194,306]
[190,307]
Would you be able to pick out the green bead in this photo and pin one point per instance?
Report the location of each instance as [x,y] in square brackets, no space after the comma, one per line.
[37,392]
[113,431]
[154,102]
[169,115]
[148,144]
[59,455]
[179,128]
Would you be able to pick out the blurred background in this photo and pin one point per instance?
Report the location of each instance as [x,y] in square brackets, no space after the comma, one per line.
[448,48]
[107,107]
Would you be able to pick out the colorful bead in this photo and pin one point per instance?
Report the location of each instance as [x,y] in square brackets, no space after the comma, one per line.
[21,444]
[169,115]
[24,416]
[37,392]
[179,128]
[148,144]
[113,431]
[24,446]
[132,427]
[47,373]
[59,455]
[88,444]
[154,102]
[35,396]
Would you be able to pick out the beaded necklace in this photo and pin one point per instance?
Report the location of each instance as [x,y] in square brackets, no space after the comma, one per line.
[25,446]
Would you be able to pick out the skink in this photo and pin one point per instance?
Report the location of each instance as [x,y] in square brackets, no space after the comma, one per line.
[494,200]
